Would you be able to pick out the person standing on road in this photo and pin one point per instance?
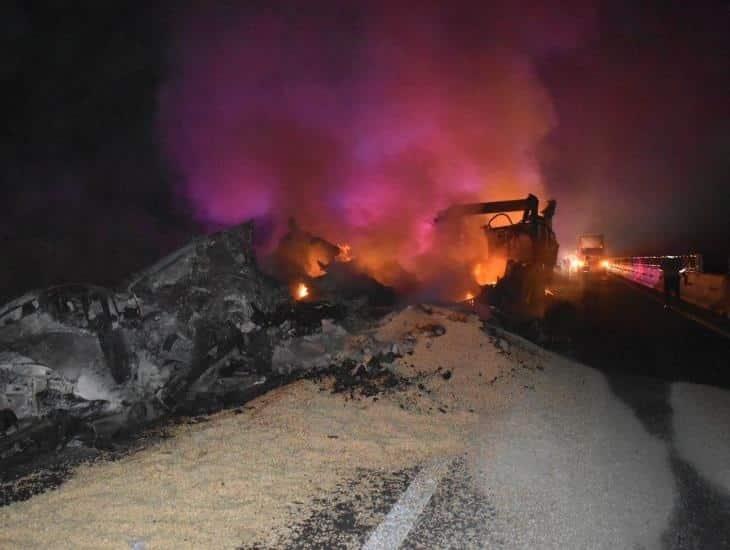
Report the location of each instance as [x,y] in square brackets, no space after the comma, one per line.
[671,267]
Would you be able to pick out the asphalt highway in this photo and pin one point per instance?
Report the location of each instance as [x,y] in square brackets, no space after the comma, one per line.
[623,328]
[622,442]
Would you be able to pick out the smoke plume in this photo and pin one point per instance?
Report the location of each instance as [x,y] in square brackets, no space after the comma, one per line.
[361,123]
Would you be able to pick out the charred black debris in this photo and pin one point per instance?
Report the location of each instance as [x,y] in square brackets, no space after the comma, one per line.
[84,367]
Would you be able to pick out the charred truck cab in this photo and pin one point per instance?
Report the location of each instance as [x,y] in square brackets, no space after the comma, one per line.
[530,248]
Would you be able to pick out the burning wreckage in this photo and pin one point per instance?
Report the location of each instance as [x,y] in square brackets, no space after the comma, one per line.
[530,252]
[201,329]
[206,328]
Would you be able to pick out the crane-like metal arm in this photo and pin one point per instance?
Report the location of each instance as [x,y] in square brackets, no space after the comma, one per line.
[528,206]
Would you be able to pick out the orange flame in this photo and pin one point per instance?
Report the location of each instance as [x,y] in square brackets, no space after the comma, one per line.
[301,292]
[316,259]
[487,273]
[345,254]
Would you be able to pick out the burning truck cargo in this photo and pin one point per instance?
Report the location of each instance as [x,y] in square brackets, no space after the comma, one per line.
[526,250]
[210,326]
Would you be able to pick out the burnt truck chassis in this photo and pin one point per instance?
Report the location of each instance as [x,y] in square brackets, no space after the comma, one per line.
[531,248]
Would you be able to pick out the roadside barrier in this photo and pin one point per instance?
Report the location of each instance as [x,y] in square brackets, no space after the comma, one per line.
[706,290]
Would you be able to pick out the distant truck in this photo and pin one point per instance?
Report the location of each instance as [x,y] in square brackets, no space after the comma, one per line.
[591,253]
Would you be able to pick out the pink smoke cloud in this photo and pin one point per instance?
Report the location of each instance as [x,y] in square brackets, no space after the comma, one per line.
[360,123]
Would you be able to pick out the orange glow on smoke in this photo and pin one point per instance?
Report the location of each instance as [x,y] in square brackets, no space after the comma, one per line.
[316,260]
[480,274]
[301,292]
[446,261]
[345,254]
[487,273]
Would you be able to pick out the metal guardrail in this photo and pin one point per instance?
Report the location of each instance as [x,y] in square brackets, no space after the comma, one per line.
[692,262]
[705,290]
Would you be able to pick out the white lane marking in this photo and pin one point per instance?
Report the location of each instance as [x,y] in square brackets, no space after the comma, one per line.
[403,516]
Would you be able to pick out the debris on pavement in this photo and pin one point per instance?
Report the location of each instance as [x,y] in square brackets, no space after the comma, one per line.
[139,375]
[384,397]
[201,329]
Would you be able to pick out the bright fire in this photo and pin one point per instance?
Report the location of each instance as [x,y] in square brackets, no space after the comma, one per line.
[301,291]
[487,272]
[345,254]
[316,259]
[480,274]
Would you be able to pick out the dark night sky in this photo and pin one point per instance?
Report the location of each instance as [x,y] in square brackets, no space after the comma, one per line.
[83,185]
[637,147]
[644,133]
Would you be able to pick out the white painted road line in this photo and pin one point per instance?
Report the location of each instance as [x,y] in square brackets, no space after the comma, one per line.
[394,529]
